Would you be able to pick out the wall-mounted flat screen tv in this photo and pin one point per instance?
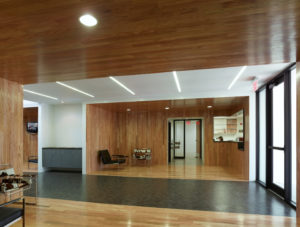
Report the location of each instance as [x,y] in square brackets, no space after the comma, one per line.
[32,127]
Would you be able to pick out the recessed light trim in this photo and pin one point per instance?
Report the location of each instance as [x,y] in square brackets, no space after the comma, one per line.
[88,20]
[40,94]
[237,77]
[177,81]
[75,89]
[122,85]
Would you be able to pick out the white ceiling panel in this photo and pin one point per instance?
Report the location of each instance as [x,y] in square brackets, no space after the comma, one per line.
[194,84]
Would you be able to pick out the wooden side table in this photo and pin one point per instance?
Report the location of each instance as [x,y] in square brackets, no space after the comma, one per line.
[6,197]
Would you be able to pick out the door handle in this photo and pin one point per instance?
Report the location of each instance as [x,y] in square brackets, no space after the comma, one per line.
[276,148]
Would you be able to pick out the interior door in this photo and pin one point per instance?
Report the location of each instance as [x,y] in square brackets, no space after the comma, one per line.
[179,138]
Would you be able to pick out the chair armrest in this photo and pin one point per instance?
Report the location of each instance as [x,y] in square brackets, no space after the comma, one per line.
[120,156]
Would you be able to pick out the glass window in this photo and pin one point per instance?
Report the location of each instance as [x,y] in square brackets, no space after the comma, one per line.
[278,167]
[278,115]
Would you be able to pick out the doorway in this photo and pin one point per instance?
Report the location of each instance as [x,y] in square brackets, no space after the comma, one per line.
[185,141]
[30,139]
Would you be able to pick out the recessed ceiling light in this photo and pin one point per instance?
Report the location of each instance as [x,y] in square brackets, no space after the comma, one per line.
[237,77]
[40,94]
[122,85]
[128,109]
[88,20]
[209,107]
[176,81]
[74,89]
[167,107]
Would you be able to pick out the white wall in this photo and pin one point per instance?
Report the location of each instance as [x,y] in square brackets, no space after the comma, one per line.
[67,125]
[46,125]
[45,138]
[60,126]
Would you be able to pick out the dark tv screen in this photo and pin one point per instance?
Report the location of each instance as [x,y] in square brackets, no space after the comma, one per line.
[32,127]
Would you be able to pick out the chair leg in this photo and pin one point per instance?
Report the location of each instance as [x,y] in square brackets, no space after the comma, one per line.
[23,219]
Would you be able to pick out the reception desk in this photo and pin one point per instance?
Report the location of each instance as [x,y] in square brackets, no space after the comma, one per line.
[62,158]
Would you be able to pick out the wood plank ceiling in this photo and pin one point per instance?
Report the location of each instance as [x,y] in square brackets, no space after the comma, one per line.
[42,41]
[218,104]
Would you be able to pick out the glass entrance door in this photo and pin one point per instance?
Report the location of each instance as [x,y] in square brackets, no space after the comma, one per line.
[276,145]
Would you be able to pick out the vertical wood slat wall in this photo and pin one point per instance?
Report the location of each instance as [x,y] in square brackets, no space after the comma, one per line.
[121,132]
[11,124]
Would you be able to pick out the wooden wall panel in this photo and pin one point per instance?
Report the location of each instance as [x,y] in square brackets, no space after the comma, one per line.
[131,132]
[30,140]
[11,124]
[148,129]
[298,137]
[240,160]
[100,134]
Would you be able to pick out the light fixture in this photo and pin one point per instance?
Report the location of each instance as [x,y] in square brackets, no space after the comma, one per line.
[237,77]
[176,81]
[88,20]
[62,101]
[209,107]
[74,89]
[128,109]
[167,107]
[40,94]
[122,85]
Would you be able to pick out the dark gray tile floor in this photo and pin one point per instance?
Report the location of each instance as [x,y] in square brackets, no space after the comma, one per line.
[225,196]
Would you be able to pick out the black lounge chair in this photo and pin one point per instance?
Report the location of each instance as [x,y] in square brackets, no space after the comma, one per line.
[106,159]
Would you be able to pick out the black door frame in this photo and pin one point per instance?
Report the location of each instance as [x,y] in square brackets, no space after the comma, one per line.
[169,141]
[200,139]
[284,76]
[174,136]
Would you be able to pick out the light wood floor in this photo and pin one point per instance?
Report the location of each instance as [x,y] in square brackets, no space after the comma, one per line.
[197,172]
[50,212]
